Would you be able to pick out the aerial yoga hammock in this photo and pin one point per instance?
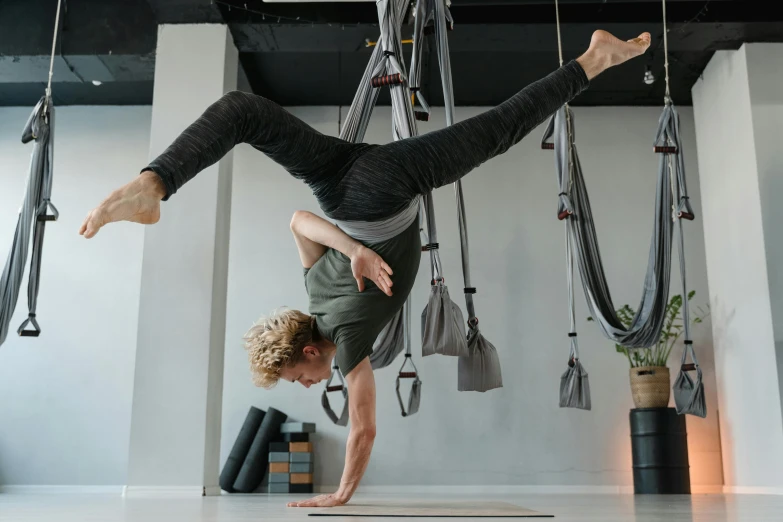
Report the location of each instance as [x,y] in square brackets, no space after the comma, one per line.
[671,206]
[443,330]
[37,202]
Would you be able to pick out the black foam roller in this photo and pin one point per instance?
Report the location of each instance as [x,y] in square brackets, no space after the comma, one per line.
[254,467]
[241,448]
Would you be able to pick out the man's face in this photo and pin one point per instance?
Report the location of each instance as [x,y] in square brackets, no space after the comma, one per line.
[314,367]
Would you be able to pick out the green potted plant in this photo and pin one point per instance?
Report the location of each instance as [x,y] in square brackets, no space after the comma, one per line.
[650,379]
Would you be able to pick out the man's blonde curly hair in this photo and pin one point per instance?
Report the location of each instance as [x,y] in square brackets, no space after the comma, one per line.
[277,341]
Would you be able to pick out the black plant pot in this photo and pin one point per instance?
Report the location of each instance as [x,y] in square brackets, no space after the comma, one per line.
[659,442]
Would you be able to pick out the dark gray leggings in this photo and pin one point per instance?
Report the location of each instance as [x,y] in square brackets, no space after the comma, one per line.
[361,181]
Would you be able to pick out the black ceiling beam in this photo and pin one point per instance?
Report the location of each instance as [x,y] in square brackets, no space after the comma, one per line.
[473,12]
[86,27]
[511,38]
[185,11]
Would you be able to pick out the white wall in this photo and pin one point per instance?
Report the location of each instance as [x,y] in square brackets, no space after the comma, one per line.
[178,384]
[73,386]
[516,435]
[738,107]
[765,62]
[66,396]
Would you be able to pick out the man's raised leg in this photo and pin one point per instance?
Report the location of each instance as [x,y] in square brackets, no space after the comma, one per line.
[439,158]
[237,117]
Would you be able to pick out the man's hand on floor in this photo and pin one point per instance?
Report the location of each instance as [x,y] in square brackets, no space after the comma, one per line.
[319,501]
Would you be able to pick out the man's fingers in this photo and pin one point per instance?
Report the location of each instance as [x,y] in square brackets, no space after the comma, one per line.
[83,228]
[313,502]
[92,224]
[360,283]
[387,268]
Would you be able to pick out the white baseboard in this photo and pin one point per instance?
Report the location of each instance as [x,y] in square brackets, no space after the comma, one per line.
[509,490]
[62,490]
[170,491]
[751,490]
[212,491]
[707,490]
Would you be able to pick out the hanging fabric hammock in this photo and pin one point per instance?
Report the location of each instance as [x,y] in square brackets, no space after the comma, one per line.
[40,130]
[442,322]
[479,367]
[383,69]
[582,242]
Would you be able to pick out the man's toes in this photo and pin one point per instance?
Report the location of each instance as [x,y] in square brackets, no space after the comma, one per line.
[643,40]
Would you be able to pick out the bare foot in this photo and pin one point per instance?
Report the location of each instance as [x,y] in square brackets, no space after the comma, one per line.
[138,201]
[606,51]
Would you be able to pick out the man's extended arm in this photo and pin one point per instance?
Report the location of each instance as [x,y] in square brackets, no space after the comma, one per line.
[313,235]
[361,390]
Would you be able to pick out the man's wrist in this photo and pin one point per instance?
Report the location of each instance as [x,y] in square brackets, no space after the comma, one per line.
[354,249]
[342,496]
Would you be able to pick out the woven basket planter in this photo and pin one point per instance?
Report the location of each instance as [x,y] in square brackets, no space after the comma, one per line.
[650,386]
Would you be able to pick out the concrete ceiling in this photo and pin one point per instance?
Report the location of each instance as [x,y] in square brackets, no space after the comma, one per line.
[315,53]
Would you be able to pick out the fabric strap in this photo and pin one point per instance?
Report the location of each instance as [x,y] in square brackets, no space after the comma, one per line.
[38,129]
[386,61]
[377,231]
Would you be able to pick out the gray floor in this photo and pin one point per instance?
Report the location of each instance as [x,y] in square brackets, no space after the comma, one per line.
[261,508]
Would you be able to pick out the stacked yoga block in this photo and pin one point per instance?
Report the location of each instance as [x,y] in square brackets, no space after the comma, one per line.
[291,461]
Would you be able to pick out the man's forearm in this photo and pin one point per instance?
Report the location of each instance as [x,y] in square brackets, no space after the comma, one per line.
[358,450]
[320,231]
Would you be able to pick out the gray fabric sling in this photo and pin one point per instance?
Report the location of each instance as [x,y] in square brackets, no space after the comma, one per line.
[688,393]
[382,68]
[574,208]
[414,399]
[671,205]
[478,369]
[39,129]
[574,204]
[391,341]
[342,420]
[443,325]
[383,230]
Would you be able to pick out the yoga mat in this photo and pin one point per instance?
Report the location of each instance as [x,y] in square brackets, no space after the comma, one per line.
[446,509]
[254,467]
[240,449]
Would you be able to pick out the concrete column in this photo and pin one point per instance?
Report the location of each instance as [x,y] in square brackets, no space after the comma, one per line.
[738,107]
[178,386]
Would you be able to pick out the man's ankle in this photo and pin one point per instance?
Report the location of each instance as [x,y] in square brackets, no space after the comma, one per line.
[592,63]
[153,184]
